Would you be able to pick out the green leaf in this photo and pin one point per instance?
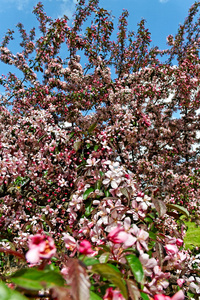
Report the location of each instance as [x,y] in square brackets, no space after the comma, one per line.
[87,192]
[179,208]
[144,296]
[111,275]
[90,261]
[105,248]
[130,250]
[114,267]
[94,296]
[8,294]
[101,173]
[92,127]
[88,208]
[71,134]
[33,279]
[98,185]
[107,193]
[96,147]
[152,235]
[149,220]
[136,267]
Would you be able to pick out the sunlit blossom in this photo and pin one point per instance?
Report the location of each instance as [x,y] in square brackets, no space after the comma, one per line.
[112,178]
[40,247]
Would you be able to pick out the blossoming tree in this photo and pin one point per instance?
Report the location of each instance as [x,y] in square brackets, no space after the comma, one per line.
[97,173]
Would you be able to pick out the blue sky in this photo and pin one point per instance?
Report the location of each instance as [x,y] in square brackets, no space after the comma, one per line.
[162,16]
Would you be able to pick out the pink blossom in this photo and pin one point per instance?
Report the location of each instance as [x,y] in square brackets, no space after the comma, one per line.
[138,209]
[171,249]
[113,178]
[118,235]
[40,246]
[91,162]
[141,237]
[86,248]
[65,271]
[180,282]
[178,296]
[113,295]
[179,242]
[161,297]
[70,242]
[147,263]
[159,281]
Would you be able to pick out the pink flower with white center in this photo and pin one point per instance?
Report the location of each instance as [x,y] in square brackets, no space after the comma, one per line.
[178,296]
[118,236]
[159,281]
[95,233]
[113,295]
[181,256]
[113,179]
[91,162]
[115,218]
[76,202]
[180,282]
[141,237]
[147,263]
[102,216]
[138,209]
[144,199]
[70,242]
[40,246]
[171,249]
[86,248]
[127,223]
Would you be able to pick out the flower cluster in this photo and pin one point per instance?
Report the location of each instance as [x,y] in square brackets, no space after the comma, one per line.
[98,179]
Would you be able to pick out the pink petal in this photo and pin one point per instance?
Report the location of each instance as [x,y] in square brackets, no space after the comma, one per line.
[171,249]
[130,240]
[33,256]
[161,297]
[179,296]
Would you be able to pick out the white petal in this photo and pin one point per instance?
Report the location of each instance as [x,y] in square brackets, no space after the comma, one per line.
[114,184]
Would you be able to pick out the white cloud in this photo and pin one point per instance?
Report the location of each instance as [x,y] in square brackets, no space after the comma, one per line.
[61,7]
[20,4]
[163,1]
[67,7]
